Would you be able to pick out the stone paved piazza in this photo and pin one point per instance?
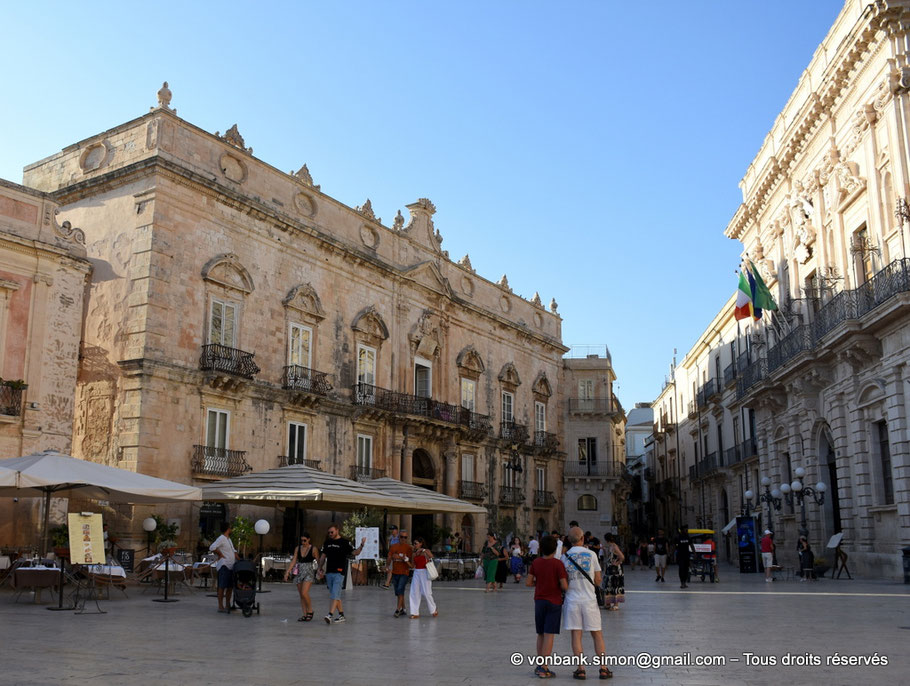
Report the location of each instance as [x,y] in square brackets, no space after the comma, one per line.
[142,642]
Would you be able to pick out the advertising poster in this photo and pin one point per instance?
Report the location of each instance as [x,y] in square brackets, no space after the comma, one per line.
[371,547]
[86,539]
[745,539]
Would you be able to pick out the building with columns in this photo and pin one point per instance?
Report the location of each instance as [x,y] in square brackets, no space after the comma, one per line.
[240,318]
[43,278]
[822,385]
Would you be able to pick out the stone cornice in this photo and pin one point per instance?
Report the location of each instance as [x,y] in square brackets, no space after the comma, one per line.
[881,20]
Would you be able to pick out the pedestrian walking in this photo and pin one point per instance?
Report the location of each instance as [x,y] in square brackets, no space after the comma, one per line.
[652,547]
[533,547]
[333,563]
[806,559]
[580,612]
[223,547]
[421,586]
[304,572]
[400,563]
[489,556]
[516,561]
[393,539]
[684,551]
[549,578]
[614,579]
[767,554]
[502,567]
[660,555]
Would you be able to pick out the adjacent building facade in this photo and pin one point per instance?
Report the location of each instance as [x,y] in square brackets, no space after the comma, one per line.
[818,392]
[240,319]
[43,276]
[595,480]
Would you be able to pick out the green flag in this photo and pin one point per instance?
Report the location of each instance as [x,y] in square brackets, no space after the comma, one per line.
[763,299]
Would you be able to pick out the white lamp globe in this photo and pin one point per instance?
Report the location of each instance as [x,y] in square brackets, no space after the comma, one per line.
[785,488]
[797,486]
[800,472]
[820,487]
[261,527]
[776,492]
[149,524]
[765,481]
[749,495]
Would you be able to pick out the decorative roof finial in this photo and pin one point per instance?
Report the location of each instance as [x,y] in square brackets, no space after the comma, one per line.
[398,222]
[466,262]
[233,137]
[553,306]
[304,175]
[504,282]
[164,99]
[367,211]
[536,299]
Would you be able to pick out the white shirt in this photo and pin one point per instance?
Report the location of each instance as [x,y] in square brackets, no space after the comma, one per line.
[224,545]
[533,546]
[580,589]
[558,555]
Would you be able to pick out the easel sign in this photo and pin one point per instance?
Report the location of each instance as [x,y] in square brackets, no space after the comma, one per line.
[840,557]
[371,547]
[86,538]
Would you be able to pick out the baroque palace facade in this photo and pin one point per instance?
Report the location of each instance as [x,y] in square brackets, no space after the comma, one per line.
[241,319]
[822,386]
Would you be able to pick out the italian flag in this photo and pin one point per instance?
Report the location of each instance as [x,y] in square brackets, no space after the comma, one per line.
[744,309]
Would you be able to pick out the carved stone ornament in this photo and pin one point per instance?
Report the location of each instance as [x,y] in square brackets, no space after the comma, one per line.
[509,375]
[505,304]
[848,179]
[370,323]
[467,286]
[305,300]
[900,80]
[466,262]
[96,156]
[470,360]
[303,174]
[504,283]
[164,98]
[305,203]
[536,300]
[233,168]
[367,211]
[862,352]
[553,306]
[802,253]
[232,136]
[541,386]
[832,158]
[68,232]
[227,271]
[538,320]
[398,221]
[369,236]
[424,337]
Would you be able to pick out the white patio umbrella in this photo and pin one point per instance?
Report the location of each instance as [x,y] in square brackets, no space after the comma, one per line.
[50,473]
[299,484]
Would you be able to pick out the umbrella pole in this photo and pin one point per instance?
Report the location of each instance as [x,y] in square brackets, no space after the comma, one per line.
[47,512]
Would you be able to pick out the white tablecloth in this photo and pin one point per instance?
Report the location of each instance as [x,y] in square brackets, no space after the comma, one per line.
[172,566]
[4,562]
[278,563]
[106,570]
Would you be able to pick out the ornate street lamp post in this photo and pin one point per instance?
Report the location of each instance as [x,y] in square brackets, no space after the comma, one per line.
[796,492]
[772,497]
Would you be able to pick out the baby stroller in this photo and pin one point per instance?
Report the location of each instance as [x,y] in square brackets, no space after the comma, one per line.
[245,587]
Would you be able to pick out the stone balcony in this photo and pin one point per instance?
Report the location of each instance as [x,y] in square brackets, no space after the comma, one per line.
[219,462]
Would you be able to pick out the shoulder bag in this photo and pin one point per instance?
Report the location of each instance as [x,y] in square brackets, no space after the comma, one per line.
[432,572]
[598,591]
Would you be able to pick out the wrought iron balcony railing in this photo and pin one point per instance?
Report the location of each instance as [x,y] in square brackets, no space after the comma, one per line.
[285,461]
[748,449]
[603,470]
[733,455]
[693,410]
[406,403]
[546,441]
[364,473]
[729,374]
[788,347]
[544,499]
[220,358]
[11,393]
[510,431]
[594,405]
[472,490]
[212,461]
[509,495]
[297,378]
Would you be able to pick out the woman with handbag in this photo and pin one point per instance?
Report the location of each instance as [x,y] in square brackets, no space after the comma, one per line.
[614,579]
[421,584]
[303,569]
[489,555]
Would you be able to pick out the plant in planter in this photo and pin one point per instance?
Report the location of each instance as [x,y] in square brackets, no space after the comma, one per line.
[821,566]
[60,539]
[166,536]
[242,530]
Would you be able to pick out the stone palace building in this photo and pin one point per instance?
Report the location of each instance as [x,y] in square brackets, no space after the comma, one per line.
[822,386]
[240,319]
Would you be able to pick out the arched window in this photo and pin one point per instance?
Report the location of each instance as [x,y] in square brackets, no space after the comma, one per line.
[587,502]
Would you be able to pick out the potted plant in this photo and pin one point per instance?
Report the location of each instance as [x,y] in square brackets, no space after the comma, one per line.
[60,538]
[166,536]
[242,530]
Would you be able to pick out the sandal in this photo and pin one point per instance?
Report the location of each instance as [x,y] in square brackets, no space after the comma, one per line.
[579,674]
[302,618]
[308,617]
[605,673]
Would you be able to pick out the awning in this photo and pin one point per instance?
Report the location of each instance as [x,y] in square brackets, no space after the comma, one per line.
[311,488]
[729,526]
[423,500]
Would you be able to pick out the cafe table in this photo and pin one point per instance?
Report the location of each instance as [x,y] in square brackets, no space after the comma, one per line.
[35,578]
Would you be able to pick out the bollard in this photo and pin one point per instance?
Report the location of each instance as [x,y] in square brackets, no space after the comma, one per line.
[906,552]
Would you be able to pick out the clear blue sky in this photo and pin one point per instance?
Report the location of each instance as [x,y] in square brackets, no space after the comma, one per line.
[590,150]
